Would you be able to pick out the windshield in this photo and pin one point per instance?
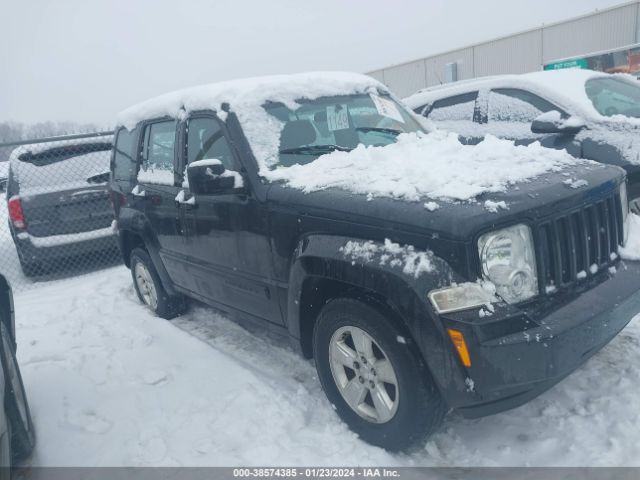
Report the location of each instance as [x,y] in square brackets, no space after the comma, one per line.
[612,96]
[338,123]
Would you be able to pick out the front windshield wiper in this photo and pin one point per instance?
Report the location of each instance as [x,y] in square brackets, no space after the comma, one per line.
[391,131]
[314,149]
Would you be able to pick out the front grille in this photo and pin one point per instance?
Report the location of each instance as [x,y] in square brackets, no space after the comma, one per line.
[578,245]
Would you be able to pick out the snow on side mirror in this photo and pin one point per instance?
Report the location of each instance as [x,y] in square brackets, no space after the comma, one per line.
[552,122]
[210,176]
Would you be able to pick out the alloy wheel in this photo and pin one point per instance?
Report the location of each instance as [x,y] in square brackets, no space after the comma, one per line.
[145,284]
[363,374]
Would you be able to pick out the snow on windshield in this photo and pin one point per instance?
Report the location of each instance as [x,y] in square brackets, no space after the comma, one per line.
[434,165]
[246,98]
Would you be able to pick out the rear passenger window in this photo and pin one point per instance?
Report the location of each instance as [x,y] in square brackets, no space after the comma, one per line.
[513,105]
[124,162]
[206,140]
[158,153]
[456,108]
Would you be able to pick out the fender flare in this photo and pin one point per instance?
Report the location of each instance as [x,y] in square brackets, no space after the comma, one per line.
[323,257]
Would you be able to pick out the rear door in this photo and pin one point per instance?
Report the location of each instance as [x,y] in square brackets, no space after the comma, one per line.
[155,194]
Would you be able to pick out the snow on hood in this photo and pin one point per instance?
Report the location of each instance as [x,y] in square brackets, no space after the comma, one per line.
[434,165]
[246,97]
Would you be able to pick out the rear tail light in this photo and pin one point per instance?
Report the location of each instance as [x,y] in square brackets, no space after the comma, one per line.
[16,215]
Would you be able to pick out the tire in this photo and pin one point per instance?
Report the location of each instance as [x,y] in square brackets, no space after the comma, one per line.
[414,407]
[16,406]
[149,287]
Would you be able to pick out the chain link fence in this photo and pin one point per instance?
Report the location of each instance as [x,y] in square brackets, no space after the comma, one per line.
[55,212]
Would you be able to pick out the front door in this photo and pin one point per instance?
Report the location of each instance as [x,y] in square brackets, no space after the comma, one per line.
[229,254]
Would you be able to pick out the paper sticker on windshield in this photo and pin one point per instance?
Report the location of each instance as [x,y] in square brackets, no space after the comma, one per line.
[337,117]
[386,108]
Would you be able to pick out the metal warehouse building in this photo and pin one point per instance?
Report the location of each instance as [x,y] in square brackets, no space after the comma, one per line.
[603,31]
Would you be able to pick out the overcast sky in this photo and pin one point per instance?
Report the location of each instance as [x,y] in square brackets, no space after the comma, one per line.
[85,60]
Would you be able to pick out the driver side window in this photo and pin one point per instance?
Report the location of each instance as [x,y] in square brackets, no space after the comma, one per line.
[206,140]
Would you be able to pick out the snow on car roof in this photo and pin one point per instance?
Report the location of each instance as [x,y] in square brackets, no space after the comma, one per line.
[256,90]
[564,87]
[246,97]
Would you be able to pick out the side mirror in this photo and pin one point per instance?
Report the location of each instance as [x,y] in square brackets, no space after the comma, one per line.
[552,122]
[210,176]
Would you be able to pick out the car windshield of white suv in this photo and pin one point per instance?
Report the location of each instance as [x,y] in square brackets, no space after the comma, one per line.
[611,96]
[339,123]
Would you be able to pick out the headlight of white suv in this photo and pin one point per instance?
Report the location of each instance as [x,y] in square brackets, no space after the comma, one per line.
[508,260]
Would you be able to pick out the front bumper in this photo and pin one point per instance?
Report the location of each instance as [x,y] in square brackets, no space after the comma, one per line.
[542,344]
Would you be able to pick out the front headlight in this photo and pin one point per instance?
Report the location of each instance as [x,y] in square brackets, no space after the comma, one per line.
[624,203]
[508,261]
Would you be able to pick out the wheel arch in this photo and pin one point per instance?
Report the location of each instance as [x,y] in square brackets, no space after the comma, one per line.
[130,239]
[320,272]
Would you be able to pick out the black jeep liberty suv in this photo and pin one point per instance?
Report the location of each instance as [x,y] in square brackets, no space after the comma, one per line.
[514,299]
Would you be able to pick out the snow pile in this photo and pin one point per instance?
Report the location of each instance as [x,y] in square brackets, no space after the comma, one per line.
[411,261]
[554,116]
[434,165]
[246,97]
[111,385]
[573,183]
[631,250]
[493,207]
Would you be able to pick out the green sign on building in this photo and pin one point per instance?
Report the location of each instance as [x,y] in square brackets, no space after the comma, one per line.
[575,63]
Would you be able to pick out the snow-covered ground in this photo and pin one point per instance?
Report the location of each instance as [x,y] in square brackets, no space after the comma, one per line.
[110,384]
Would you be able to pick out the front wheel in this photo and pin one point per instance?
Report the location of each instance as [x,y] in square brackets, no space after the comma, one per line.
[149,287]
[379,386]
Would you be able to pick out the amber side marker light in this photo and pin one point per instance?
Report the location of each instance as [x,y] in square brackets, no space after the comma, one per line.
[461,346]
